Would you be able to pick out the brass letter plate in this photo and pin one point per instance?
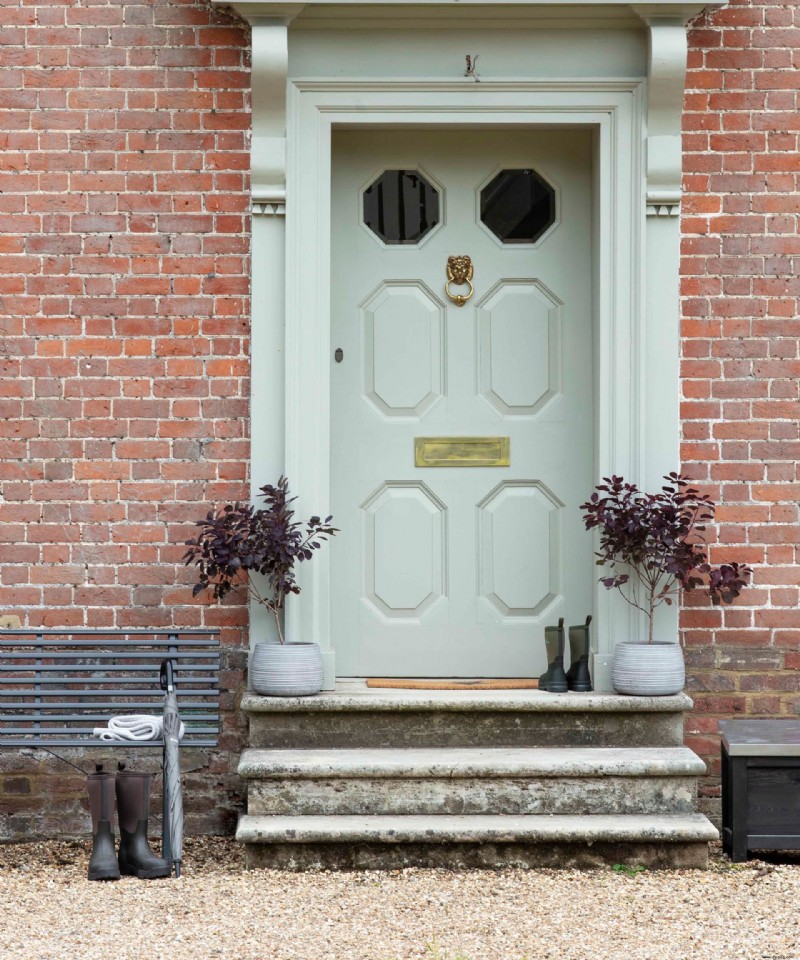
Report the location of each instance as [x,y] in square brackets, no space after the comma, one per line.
[462,451]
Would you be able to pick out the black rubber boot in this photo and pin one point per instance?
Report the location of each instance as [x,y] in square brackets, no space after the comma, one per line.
[136,859]
[103,861]
[578,677]
[554,679]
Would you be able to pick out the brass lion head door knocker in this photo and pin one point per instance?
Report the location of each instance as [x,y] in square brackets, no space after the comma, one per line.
[459,273]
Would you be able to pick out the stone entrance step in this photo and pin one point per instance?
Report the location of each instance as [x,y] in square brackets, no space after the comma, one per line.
[471,780]
[360,717]
[380,842]
[362,778]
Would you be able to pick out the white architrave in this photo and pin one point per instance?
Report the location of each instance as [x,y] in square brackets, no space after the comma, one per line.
[639,160]
[659,363]
[613,110]
[267,252]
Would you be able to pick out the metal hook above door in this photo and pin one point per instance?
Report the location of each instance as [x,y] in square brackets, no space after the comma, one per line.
[459,273]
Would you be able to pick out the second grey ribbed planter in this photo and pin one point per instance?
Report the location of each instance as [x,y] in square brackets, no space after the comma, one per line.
[648,669]
[286,669]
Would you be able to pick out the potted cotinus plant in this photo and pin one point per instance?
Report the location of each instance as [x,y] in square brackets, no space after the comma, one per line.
[240,541]
[653,546]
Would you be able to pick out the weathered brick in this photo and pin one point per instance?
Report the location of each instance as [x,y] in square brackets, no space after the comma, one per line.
[739,67]
[101,262]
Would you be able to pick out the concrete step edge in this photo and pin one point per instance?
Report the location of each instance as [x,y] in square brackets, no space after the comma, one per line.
[632,828]
[465,701]
[473,762]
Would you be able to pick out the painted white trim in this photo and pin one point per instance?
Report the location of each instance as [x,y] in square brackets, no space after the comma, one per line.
[666,80]
[266,208]
[614,110]
[657,209]
[255,9]
[267,250]
[660,348]
[270,60]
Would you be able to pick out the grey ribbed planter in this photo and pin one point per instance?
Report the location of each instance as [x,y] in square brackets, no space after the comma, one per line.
[648,669]
[286,669]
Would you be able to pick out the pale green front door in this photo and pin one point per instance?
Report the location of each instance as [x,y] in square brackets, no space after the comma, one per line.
[444,570]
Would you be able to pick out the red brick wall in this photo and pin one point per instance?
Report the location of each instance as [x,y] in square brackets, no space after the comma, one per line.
[124,240]
[740,362]
[124,316]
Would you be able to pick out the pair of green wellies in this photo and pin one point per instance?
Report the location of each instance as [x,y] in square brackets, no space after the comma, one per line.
[556,679]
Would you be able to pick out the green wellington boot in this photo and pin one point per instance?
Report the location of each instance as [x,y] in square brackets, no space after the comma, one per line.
[554,680]
[578,678]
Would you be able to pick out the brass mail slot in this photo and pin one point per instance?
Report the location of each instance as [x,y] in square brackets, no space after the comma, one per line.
[462,451]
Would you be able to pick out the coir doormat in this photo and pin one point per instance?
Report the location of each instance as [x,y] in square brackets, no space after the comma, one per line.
[400,684]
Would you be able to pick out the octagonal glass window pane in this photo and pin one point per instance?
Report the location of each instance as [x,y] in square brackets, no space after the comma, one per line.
[518,206]
[401,207]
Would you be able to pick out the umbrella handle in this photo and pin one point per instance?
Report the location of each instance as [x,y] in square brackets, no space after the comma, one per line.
[166,676]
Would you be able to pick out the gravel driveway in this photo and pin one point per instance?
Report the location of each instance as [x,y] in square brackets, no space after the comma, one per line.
[216,910]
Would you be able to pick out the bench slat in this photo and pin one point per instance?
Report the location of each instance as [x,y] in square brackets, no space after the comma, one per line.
[112,632]
[86,667]
[129,705]
[101,718]
[89,731]
[91,680]
[32,743]
[187,691]
[88,654]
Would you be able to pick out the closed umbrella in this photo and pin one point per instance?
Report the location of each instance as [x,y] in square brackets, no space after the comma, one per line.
[173,796]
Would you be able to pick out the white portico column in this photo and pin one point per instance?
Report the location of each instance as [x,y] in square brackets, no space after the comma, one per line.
[663,161]
[667,49]
[267,251]
[268,284]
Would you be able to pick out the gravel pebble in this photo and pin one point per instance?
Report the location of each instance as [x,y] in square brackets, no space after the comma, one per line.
[217,910]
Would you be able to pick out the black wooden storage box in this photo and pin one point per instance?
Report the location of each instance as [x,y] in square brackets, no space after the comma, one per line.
[760,786]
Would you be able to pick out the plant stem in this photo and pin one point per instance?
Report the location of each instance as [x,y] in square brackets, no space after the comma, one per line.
[632,603]
[272,605]
[254,590]
[276,613]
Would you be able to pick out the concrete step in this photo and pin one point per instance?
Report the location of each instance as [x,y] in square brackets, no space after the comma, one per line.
[383,842]
[473,780]
[362,717]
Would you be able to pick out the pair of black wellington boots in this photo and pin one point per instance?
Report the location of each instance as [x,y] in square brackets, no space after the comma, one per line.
[577,678]
[129,792]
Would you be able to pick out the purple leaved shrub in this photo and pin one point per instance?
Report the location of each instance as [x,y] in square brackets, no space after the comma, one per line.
[653,544]
[239,540]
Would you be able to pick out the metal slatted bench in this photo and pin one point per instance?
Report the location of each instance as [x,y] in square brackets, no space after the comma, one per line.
[57,685]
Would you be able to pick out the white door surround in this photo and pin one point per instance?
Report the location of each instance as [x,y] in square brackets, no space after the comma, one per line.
[636,125]
[610,110]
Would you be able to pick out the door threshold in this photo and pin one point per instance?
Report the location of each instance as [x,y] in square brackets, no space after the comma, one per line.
[442,683]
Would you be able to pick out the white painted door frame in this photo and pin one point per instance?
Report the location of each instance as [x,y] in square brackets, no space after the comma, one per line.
[612,109]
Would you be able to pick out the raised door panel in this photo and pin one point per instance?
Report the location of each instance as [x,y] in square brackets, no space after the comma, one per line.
[519,549]
[405,544]
[519,347]
[403,349]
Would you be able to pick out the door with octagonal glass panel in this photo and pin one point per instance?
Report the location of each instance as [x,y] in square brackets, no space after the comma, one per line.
[462,401]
